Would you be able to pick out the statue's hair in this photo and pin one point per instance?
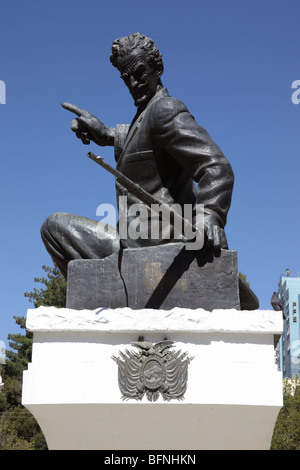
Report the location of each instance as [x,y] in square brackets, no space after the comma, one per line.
[127,44]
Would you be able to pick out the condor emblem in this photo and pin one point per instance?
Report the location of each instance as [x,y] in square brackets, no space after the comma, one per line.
[153,370]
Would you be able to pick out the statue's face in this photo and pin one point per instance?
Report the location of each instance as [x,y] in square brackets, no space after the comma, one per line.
[140,78]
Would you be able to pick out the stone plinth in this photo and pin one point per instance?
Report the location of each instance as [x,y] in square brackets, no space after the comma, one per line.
[159,277]
[233,395]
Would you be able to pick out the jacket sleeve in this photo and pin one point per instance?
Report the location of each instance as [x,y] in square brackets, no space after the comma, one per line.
[175,130]
[121,131]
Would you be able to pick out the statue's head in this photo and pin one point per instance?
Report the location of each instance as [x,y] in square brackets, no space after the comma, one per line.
[141,66]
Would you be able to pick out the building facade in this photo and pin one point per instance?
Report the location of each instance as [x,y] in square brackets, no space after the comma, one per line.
[289,292]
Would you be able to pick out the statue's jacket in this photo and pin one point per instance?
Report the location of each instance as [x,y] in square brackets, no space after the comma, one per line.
[165,151]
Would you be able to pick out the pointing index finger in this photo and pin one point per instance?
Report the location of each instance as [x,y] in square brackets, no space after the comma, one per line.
[73,108]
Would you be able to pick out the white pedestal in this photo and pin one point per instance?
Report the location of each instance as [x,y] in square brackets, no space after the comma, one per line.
[234,390]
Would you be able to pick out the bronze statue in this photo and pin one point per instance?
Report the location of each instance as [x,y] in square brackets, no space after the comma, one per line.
[164,150]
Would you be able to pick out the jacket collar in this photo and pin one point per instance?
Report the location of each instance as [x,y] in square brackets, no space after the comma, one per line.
[140,114]
[159,94]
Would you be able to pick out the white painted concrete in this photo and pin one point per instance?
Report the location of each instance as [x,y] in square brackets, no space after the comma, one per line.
[234,389]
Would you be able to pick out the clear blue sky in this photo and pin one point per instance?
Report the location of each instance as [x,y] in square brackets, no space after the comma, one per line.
[232,62]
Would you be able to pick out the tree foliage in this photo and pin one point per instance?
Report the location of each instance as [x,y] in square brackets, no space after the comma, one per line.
[244,278]
[22,344]
[18,428]
[286,435]
[54,292]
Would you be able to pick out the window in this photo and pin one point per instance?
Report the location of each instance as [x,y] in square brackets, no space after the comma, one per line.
[295,319]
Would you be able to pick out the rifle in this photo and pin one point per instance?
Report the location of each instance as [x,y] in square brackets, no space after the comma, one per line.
[132,187]
[152,202]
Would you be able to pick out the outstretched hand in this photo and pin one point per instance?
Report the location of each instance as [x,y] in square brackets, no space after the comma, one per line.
[87,127]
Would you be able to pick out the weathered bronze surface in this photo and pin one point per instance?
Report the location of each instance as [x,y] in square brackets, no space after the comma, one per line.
[164,150]
[159,277]
[167,154]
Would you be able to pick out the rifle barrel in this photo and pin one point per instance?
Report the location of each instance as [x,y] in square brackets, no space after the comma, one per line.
[132,187]
[138,191]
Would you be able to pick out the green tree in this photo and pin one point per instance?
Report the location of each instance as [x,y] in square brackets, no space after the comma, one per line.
[22,344]
[54,293]
[243,277]
[18,428]
[286,435]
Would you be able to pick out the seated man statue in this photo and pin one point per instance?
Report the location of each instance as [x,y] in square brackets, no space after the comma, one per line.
[164,151]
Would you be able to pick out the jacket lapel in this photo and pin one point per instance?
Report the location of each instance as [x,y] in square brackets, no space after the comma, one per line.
[138,119]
